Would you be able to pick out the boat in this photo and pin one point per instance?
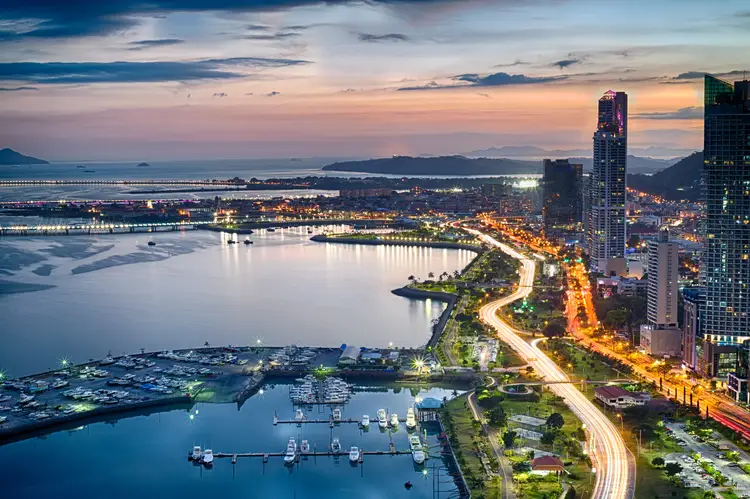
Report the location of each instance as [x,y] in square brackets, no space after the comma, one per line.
[107,360]
[304,447]
[248,241]
[394,420]
[25,399]
[382,420]
[5,398]
[3,419]
[300,416]
[271,229]
[89,171]
[208,457]
[291,451]
[337,414]
[336,446]
[354,454]
[197,454]
[231,241]
[151,243]
[417,452]
[80,166]
[59,383]
[365,421]
[411,419]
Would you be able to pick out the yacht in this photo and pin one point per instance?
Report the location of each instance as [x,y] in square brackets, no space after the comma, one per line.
[25,399]
[365,421]
[394,420]
[336,446]
[291,451]
[354,454]
[107,360]
[382,420]
[300,416]
[248,241]
[337,414]
[5,398]
[59,383]
[208,457]
[411,420]
[197,454]
[271,229]
[417,452]
[2,419]
[304,447]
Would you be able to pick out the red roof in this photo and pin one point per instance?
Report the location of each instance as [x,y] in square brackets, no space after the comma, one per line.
[546,462]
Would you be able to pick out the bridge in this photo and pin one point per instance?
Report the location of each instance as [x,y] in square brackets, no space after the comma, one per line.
[101,228]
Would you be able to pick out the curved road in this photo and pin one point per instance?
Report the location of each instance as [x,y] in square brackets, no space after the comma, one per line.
[614,464]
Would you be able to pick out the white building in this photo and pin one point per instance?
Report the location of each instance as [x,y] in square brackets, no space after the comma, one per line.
[619,398]
[663,273]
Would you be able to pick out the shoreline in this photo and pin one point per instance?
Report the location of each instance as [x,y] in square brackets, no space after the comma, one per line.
[322,238]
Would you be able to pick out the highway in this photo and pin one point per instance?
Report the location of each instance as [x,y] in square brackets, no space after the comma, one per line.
[613,463]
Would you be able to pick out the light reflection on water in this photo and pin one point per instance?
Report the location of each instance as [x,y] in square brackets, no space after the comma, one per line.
[284,288]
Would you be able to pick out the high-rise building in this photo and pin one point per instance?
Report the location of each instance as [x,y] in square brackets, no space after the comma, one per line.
[607,220]
[563,200]
[726,180]
[663,265]
[694,300]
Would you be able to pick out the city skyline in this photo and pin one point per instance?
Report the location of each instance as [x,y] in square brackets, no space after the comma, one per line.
[187,79]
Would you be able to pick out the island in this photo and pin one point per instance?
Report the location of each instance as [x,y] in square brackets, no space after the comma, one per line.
[143,164]
[11,157]
[440,165]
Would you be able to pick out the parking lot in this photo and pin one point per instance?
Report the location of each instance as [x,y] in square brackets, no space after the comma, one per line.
[694,475]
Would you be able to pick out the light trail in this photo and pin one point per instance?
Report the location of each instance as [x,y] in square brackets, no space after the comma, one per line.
[615,465]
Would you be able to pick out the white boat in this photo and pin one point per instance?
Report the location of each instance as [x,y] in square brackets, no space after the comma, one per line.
[107,360]
[291,451]
[197,454]
[208,457]
[336,446]
[382,420]
[59,383]
[394,420]
[5,398]
[417,451]
[354,454]
[337,414]
[2,419]
[25,399]
[300,416]
[411,419]
[365,421]
[304,447]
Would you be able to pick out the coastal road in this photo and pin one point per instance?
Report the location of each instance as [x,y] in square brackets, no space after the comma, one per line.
[614,464]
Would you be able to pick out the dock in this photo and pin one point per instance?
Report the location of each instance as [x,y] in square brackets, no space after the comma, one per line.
[236,455]
[373,422]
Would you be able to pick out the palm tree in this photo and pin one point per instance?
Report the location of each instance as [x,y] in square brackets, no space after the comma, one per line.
[431,275]
[412,279]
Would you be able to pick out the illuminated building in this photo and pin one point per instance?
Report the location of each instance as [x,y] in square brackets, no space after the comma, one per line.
[606,237]
[662,281]
[561,185]
[694,299]
[726,176]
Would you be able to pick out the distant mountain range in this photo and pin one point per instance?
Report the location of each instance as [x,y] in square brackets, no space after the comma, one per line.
[438,166]
[11,157]
[679,181]
[642,160]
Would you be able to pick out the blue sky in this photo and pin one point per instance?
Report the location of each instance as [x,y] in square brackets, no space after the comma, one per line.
[273,78]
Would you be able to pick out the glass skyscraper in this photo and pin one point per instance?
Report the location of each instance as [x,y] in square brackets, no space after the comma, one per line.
[606,236]
[563,198]
[726,182]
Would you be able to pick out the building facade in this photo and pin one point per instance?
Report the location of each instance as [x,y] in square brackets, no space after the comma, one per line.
[663,273]
[694,299]
[607,220]
[726,180]
[562,186]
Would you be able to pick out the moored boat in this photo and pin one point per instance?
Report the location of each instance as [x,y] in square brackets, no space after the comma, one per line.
[365,421]
[411,419]
[382,421]
[291,451]
[304,447]
[354,454]
[197,453]
[336,446]
[394,420]
[208,457]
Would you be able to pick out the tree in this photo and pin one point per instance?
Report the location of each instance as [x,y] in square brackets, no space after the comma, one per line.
[733,456]
[658,461]
[616,318]
[673,468]
[431,275]
[497,416]
[709,494]
[522,466]
[553,329]
[555,420]
[548,437]
[509,437]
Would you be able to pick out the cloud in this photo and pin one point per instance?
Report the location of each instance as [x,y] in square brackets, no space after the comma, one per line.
[56,73]
[491,80]
[697,75]
[257,27]
[273,94]
[146,44]
[220,95]
[271,37]
[566,63]
[517,62]
[486,96]
[249,93]
[685,113]
[390,37]
[82,18]
[17,89]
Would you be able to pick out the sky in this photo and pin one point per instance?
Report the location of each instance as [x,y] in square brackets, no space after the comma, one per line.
[178,79]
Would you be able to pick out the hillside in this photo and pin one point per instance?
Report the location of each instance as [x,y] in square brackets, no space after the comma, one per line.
[441,165]
[11,157]
[679,181]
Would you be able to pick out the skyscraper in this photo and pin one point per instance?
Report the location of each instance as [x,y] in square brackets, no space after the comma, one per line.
[606,236]
[563,199]
[726,178]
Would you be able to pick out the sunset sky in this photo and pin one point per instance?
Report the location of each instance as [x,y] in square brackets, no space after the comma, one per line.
[174,79]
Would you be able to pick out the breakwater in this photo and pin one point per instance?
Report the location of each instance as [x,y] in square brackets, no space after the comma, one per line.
[448,298]
[246,228]
[322,238]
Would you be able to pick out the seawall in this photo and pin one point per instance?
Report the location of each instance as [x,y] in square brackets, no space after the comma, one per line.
[322,238]
[418,294]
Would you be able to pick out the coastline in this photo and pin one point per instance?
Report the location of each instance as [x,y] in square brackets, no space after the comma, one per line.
[322,238]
